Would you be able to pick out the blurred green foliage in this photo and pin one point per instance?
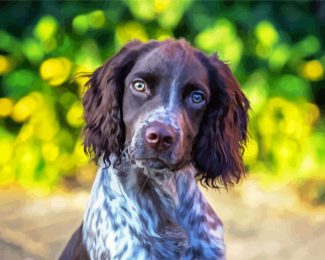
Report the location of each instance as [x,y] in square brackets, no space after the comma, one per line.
[275,50]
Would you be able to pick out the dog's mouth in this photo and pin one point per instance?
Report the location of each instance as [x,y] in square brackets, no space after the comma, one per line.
[157,164]
[160,164]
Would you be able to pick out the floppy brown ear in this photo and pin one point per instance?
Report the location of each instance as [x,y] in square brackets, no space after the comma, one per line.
[220,143]
[102,102]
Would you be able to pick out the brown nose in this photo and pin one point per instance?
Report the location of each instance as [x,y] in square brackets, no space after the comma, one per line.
[159,136]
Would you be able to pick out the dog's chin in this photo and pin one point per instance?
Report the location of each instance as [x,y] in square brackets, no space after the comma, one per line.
[159,164]
[156,164]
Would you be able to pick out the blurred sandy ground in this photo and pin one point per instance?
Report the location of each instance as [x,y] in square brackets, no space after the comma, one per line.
[259,224]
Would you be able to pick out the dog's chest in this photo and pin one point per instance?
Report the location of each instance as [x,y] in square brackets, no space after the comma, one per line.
[116,227]
[109,232]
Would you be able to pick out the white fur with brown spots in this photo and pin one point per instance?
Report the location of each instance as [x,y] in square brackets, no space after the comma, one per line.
[168,219]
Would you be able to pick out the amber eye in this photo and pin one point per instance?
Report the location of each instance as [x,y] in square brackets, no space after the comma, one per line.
[139,85]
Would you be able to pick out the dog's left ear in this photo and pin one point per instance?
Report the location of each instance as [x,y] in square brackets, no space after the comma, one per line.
[220,143]
[102,102]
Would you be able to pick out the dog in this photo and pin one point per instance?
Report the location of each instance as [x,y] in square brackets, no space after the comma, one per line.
[160,117]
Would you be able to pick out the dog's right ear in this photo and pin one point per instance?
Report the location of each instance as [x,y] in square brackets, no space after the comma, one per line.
[223,133]
[102,102]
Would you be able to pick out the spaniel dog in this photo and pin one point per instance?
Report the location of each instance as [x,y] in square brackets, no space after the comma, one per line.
[160,116]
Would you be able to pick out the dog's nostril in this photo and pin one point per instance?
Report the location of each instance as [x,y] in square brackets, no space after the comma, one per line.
[168,140]
[153,137]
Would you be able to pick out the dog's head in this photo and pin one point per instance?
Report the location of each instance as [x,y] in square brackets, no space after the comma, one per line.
[168,104]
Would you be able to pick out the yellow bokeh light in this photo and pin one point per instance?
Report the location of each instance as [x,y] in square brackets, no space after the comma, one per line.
[229,46]
[308,163]
[46,129]
[79,154]
[74,116]
[23,109]
[279,56]
[27,159]
[313,70]
[5,65]
[251,151]
[286,151]
[33,50]
[6,151]
[142,10]
[96,19]
[55,70]
[266,33]
[255,88]
[313,113]
[66,163]
[46,28]
[130,31]
[6,106]
[25,133]
[80,24]
[283,117]
[7,174]
[161,5]
[50,151]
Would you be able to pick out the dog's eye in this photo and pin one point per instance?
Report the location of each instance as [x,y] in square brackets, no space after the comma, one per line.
[139,85]
[197,97]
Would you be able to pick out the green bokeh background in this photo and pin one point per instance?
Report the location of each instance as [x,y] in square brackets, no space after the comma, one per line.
[275,50]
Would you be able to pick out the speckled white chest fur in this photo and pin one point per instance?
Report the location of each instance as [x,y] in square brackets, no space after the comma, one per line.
[174,222]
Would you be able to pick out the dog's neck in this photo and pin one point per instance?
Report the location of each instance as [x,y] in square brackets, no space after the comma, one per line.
[138,213]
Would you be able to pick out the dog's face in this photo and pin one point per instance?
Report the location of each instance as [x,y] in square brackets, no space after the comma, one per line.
[168,104]
[165,96]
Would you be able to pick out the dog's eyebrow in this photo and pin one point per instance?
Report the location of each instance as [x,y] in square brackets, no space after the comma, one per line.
[146,75]
[200,85]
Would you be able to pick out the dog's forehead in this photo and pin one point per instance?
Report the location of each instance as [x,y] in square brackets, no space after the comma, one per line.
[173,61]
